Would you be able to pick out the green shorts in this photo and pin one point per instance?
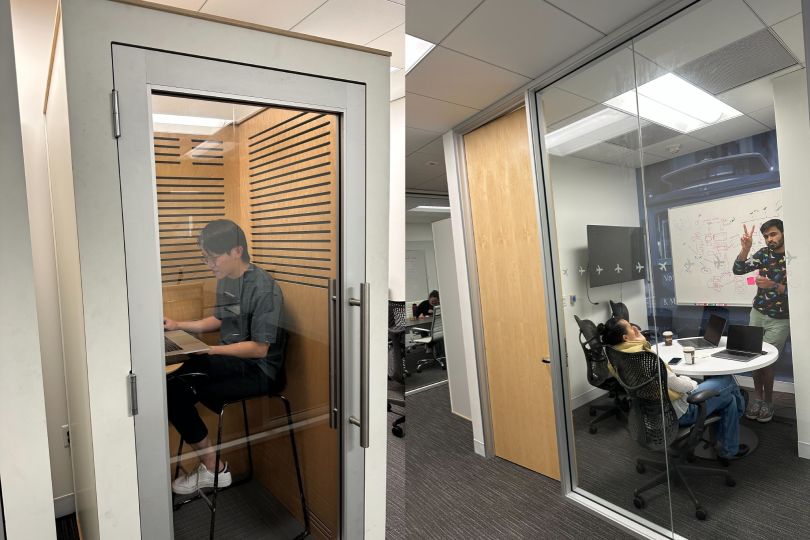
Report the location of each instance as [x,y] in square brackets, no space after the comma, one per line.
[777,331]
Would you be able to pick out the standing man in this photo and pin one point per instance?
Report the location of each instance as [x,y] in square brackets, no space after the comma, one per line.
[248,362]
[770,307]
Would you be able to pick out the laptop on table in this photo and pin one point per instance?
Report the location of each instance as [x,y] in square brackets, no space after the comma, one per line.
[744,343]
[179,342]
[711,336]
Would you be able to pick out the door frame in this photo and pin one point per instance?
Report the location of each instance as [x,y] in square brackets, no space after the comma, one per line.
[137,72]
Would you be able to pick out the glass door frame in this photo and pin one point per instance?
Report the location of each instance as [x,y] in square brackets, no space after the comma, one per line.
[137,72]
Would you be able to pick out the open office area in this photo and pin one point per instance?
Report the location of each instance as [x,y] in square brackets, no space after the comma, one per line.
[364,269]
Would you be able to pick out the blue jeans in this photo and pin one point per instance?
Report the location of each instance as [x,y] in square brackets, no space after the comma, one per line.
[730,404]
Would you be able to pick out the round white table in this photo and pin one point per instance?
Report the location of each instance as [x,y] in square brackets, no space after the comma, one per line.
[707,366]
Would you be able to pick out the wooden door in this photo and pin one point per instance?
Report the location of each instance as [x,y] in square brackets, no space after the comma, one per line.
[509,260]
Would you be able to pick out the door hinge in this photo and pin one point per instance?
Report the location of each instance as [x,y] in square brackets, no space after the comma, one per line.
[116,115]
[133,394]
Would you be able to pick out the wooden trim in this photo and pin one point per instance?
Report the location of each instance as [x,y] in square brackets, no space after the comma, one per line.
[56,22]
[252,26]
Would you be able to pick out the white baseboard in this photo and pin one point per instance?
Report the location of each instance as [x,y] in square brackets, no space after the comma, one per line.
[778,386]
[804,450]
[479,448]
[587,397]
[64,505]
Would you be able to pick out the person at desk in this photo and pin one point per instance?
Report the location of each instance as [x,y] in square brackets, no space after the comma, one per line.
[770,306]
[247,314]
[425,308]
[625,337]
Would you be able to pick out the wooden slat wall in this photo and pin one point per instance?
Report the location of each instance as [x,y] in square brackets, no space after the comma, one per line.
[288,166]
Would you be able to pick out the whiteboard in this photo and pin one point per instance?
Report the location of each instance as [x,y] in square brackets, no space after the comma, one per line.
[416,284]
[705,239]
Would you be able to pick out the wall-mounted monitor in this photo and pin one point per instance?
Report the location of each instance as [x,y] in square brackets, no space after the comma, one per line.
[615,254]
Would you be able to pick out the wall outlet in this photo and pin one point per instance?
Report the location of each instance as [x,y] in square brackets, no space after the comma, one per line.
[66,436]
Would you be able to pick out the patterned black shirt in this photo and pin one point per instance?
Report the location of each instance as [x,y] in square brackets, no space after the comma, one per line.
[771,265]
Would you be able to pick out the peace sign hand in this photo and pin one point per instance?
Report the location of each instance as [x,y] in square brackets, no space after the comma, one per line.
[747,239]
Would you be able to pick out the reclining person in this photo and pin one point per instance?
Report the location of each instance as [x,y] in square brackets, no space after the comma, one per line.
[625,337]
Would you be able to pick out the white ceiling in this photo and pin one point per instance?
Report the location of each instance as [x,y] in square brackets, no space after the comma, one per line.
[379,24]
[484,52]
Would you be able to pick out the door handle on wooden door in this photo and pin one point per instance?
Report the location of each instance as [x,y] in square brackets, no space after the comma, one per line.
[546,360]
[365,320]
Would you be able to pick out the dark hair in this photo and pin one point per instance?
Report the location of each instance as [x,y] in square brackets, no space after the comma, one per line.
[612,332]
[434,294]
[772,223]
[221,236]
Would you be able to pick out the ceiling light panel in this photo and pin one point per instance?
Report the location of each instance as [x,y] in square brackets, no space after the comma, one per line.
[415,50]
[593,129]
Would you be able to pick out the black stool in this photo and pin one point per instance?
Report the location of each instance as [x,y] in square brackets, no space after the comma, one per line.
[212,502]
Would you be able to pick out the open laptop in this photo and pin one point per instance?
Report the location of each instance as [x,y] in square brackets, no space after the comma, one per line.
[744,343]
[179,342]
[711,336]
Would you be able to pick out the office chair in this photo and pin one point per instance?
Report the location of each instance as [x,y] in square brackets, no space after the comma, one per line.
[275,394]
[618,310]
[396,386]
[656,427]
[434,340]
[599,375]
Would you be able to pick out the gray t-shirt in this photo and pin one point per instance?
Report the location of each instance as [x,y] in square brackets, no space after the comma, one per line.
[249,308]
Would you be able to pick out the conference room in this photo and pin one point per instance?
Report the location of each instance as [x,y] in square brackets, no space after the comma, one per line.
[662,160]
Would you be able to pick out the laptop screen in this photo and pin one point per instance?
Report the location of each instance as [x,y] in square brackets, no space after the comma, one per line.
[744,338]
[714,329]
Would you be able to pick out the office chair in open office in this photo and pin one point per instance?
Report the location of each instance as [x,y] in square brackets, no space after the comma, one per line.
[434,340]
[396,355]
[619,310]
[599,375]
[655,426]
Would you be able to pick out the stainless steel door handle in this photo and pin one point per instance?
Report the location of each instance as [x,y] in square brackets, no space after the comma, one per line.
[333,354]
[365,320]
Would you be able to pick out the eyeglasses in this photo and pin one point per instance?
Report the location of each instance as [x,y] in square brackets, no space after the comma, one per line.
[210,259]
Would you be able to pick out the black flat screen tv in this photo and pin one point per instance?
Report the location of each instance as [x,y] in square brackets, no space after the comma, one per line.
[615,255]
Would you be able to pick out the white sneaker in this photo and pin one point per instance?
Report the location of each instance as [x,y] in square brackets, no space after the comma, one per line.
[200,478]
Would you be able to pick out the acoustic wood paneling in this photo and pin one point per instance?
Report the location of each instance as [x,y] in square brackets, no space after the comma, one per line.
[508,257]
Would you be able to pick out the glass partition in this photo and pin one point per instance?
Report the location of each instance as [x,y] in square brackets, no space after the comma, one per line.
[681,155]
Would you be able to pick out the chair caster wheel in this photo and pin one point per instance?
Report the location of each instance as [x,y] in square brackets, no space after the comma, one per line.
[640,468]
[419,369]
[639,502]
[397,431]
[730,482]
[592,411]
[592,429]
[444,367]
[701,514]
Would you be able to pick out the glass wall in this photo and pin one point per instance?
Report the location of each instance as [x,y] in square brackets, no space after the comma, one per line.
[675,168]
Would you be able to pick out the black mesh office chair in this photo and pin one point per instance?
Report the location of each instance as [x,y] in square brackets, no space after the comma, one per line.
[434,340]
[655,427]
[599,375]
[276,393]
[618,310]
[396,359]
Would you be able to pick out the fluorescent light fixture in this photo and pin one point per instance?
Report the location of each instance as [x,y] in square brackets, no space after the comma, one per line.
[589,131]
[179,120]
[415,50]
[430,209]
[674,103]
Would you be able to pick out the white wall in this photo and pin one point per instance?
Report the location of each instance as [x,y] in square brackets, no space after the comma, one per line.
[33,29]
[793,138]
[396,223]
[588,192]
[24,464]
[419,237]
[457,377]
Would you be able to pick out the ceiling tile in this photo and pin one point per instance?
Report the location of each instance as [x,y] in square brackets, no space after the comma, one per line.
[433,115]
[394,42]
[421,168]
[276,13]
[750,97]
[434,150]
[677,146]
[730,130]
[432,21]
[416,138]
[438,184]
[353,21]
[450,76]
[697,32]
[791,33]
[604,16]
[765,116]
[193,5]
[774,11]
[559,105]
[505,37]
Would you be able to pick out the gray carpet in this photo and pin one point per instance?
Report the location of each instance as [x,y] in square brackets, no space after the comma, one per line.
[246,512]
[769,500]
[443,490]
[432,373]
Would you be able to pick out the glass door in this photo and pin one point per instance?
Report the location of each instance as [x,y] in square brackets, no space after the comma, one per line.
[239,186]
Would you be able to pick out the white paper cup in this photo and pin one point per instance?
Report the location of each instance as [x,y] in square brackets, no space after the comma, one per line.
[689,355]
[667,337]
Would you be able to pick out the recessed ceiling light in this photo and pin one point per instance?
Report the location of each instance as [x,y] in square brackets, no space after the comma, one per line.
[672,102]
[430,209]
[415,50]
[179,120]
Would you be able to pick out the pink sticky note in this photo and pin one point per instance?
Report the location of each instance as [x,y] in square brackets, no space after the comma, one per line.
[752,281]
